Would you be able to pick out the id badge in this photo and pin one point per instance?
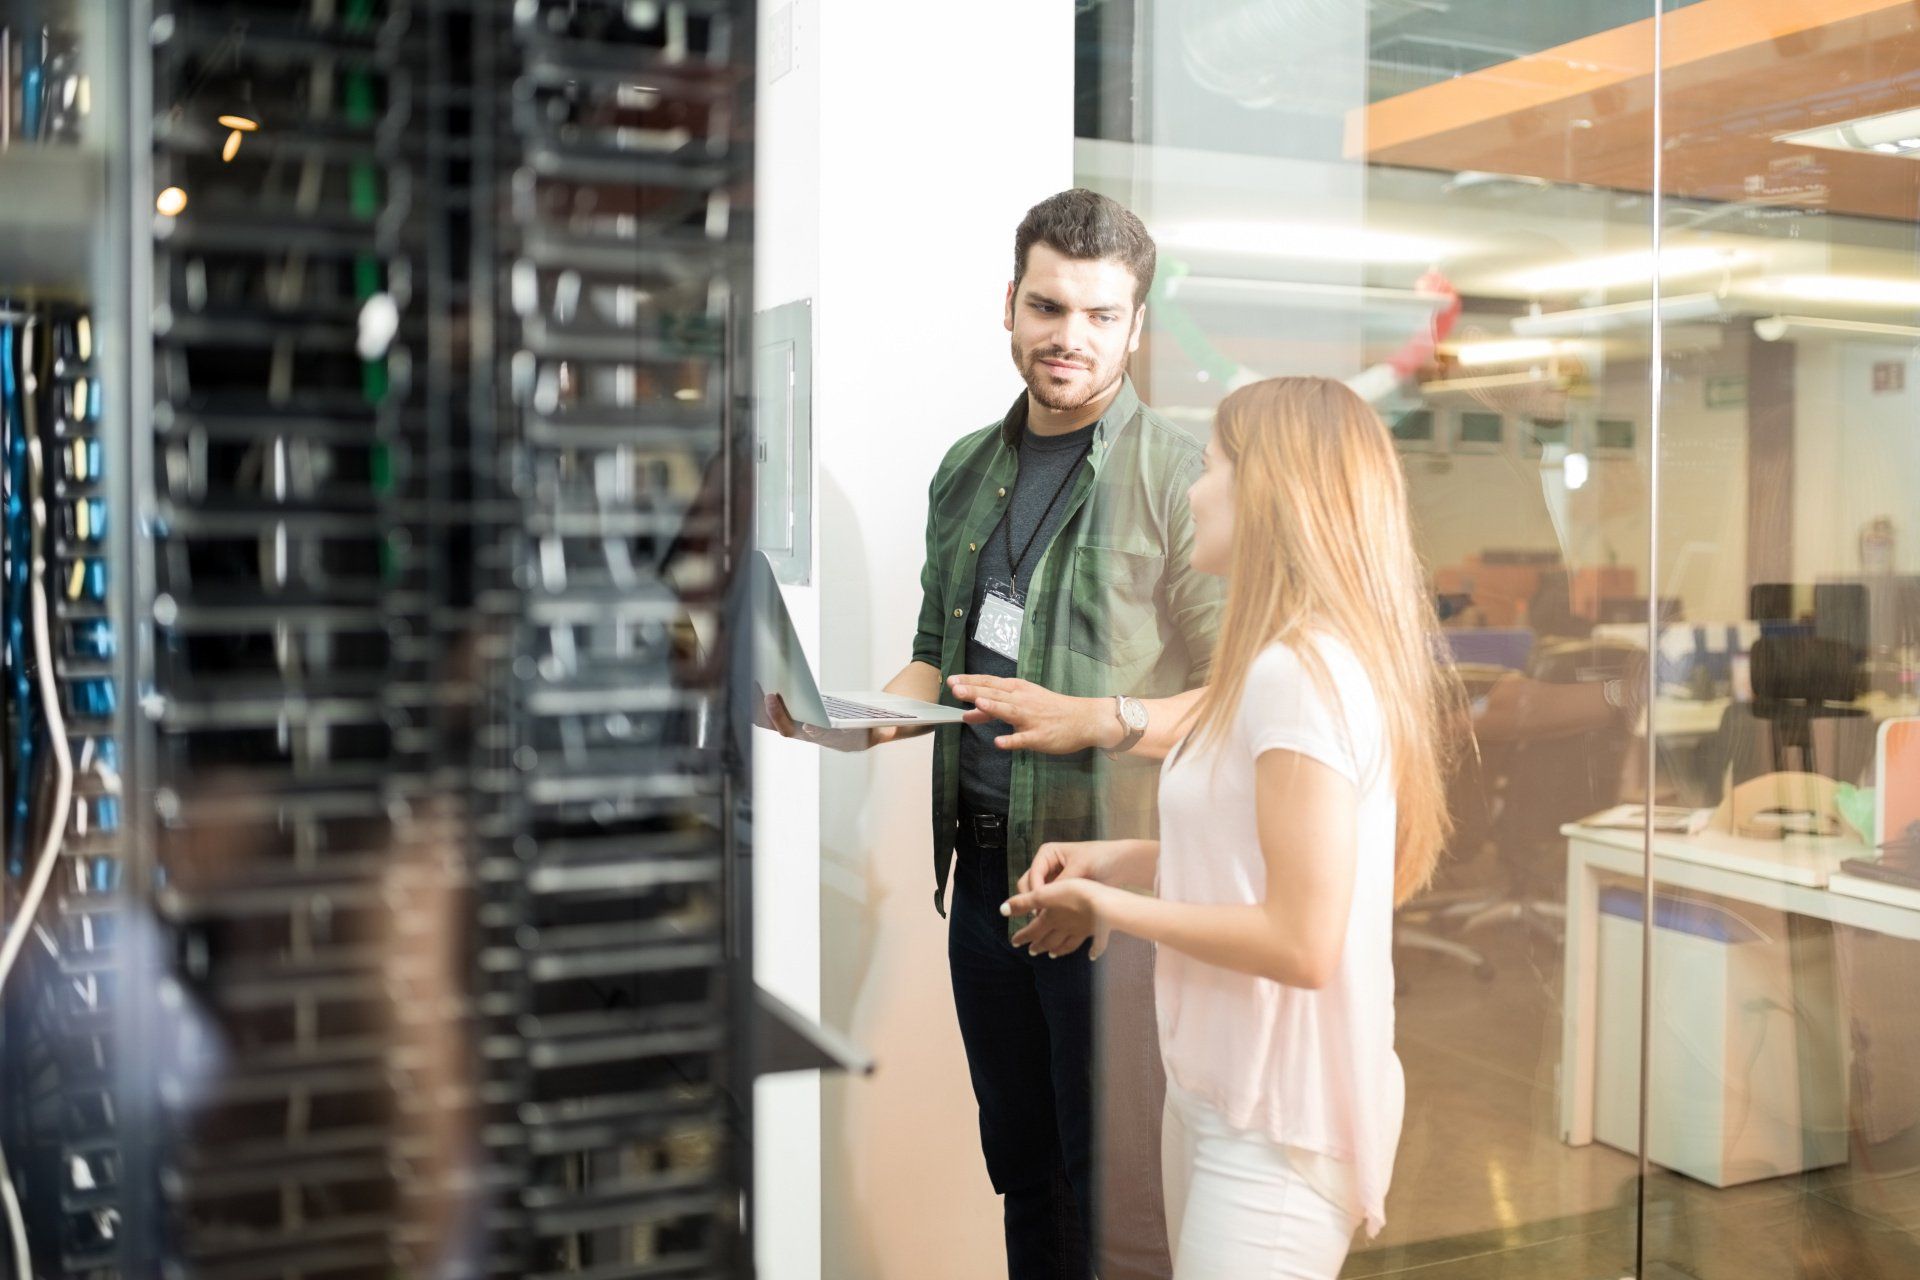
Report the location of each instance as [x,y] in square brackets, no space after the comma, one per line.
[1000,623]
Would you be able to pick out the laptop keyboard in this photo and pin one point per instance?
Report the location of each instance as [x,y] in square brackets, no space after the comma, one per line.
[841,709]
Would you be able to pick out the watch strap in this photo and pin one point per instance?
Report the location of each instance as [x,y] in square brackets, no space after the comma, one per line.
[1133,735]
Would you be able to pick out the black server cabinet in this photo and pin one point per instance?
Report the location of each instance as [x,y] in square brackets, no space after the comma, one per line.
[393,919]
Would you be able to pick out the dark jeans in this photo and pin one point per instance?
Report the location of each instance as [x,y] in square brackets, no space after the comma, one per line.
[1027,1023]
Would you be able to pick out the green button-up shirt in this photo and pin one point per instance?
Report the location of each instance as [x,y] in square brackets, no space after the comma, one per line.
[1114,606]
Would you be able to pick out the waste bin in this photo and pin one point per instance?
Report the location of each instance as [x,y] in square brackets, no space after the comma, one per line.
[1748,1072]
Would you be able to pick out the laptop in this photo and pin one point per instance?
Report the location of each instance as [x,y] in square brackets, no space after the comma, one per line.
[781,666]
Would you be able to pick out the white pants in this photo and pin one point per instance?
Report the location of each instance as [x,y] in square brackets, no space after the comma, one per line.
[1237,1209]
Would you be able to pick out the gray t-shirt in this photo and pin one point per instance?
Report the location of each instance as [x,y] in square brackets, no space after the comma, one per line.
[1047,464]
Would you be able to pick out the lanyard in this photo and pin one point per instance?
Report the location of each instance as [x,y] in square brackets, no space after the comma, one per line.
[1006,521]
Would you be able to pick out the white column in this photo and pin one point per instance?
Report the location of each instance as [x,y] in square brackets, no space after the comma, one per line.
[929,131]
[939,128]
[786,775]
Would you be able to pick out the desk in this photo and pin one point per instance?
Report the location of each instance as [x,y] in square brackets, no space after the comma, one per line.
[1789,875]
[1898,895]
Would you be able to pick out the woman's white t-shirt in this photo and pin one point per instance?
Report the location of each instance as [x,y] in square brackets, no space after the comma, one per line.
[1313,1070]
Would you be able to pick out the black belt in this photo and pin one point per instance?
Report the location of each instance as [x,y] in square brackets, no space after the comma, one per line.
[983,830]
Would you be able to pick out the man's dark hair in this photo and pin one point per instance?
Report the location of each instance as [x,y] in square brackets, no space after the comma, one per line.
[1087,226]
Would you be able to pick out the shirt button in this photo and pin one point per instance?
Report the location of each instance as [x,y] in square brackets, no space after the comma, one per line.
[959,613]
[973,546]
[1002,493]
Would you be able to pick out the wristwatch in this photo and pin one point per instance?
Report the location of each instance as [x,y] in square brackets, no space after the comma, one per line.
[1133,718]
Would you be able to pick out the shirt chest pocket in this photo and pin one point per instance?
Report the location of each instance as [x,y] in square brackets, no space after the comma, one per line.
[1113,617]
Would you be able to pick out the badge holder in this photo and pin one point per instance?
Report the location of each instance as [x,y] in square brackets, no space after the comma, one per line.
[1001,621]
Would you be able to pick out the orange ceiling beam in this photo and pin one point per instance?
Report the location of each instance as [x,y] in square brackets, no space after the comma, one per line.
[1611,58]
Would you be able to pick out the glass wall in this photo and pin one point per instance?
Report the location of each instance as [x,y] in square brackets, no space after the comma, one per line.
[1635,291]
[1781,1108]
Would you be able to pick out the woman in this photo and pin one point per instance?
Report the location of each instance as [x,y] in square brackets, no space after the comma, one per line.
[1303,804]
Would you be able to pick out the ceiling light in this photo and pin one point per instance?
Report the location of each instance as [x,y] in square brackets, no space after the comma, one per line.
[1586,321]
[1626,269]
[1774,328]
[1300,293]
[1493,382]
[1894,133]
[1867,290]
[236,126]
[1509,351]
[170,202]
[1575,469]
[1305,241]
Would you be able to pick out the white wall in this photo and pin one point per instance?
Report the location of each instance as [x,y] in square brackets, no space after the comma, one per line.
[896,158]
[938,128]
[1467,503]
[1856,454]
[1703,486]
[1856,457]
[786,778]
[1464,504]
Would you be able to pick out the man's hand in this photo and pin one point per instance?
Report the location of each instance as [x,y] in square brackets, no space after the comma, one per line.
[1042,720]
[770,712]
[1065,914]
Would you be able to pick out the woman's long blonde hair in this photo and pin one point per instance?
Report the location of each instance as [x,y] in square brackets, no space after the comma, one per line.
[1322,542]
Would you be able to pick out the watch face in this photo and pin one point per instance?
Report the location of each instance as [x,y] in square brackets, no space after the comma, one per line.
[1134,713]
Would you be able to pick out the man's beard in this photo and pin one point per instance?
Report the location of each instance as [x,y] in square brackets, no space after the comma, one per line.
[1041,387]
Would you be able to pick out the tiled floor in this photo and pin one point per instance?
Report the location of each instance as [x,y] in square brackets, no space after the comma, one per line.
[1485,1190]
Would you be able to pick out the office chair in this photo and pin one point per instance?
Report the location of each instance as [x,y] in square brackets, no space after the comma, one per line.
[1540,784]
[1431,922]
[1800,718]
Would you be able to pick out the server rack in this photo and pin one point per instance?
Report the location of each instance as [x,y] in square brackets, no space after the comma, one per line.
[394,504]
[617,266]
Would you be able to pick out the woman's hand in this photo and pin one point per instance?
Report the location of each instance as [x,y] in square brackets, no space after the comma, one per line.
[1070,860]
[1065,914]
[1042,720]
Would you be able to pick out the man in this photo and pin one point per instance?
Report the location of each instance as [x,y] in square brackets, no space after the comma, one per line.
[1057,555]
